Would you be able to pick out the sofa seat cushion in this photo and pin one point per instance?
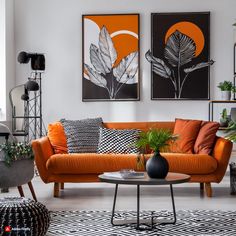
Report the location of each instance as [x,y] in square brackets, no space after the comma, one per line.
[90,163]
[191,163]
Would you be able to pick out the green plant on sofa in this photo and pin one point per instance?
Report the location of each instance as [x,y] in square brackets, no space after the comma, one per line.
[156,140]
[16,151]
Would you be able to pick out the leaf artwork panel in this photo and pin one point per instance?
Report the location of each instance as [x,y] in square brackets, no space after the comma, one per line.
[110,57]
[180,58]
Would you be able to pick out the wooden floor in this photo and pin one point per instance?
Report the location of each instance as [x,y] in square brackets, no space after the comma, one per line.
[99,196]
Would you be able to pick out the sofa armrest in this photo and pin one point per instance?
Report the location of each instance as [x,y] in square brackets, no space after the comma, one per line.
[42,151]
[222,152]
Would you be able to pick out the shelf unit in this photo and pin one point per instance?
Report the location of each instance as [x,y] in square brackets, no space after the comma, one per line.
[212,102]
[211,107]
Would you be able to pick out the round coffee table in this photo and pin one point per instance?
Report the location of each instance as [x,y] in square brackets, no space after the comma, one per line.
[171,179]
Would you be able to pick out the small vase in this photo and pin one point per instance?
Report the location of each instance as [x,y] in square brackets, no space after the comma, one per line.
[225,95]
[157,166]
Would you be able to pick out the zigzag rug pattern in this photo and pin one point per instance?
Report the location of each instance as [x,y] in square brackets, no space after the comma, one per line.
[97,223]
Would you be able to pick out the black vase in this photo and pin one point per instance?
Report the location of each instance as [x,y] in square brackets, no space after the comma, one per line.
[157,166]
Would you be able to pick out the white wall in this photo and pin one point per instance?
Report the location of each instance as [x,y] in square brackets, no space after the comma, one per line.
[10,55]
[54,27]
[7,57]
[2,61]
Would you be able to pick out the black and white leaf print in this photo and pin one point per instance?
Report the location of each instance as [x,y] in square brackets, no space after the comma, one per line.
[159,66]
[107,49]
[180,49]
[198,66]
[97,61]
[95,77]
[127,69]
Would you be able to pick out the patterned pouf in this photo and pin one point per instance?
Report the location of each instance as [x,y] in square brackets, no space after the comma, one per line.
[22,216]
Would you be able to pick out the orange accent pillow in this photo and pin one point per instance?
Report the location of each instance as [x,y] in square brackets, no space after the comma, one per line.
[206,137]
[57,137]
[187,131]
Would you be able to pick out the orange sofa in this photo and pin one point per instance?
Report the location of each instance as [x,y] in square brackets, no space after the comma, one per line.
[85,167]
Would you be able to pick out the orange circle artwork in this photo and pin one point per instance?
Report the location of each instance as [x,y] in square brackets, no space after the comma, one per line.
[192,31]
[124,43]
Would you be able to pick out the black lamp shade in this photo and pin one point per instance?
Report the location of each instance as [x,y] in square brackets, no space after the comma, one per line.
[25,97]
[23,57]
[38,62]
[32,86]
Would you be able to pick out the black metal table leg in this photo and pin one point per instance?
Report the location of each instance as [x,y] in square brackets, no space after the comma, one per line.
[114,206]
[145,224]
[173,203]
[138,205]
[166,222]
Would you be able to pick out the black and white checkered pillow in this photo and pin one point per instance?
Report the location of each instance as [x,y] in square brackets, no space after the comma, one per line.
[82,136]
[118,141]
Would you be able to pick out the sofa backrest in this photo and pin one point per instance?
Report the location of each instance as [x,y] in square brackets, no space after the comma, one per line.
[144,126]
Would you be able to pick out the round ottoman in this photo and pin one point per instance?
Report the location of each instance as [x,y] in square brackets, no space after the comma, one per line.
[22,216]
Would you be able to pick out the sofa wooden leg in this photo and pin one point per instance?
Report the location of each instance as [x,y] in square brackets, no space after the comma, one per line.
[56,189]
[208,189]
[62,185]
[201,187]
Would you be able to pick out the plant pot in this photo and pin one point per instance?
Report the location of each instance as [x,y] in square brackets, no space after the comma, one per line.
[20,172]
[224,122]
[226,95]
[157,166]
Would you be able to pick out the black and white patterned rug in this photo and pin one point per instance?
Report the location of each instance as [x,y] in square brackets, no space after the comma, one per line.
[97,223]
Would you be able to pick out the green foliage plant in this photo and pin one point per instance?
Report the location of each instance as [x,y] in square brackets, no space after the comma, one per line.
[224,119]
[224,115]
[16,151]
[155,139]
[231,131]
[226,86]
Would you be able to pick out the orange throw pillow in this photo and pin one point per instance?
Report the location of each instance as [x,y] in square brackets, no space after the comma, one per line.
[187,131]
[57,137]
[206,137]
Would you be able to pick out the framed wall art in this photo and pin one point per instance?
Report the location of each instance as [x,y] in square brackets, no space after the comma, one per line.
[110,57]
[180,56]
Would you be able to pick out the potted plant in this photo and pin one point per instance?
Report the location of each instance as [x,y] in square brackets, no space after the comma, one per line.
[156,139]
[16,164]
[231,130]
[224,119]
[226,87]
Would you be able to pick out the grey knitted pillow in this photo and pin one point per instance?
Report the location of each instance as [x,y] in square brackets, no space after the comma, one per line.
[82,135]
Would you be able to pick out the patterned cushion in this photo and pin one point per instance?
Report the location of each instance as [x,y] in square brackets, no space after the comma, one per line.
[82,135]
[118,141]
